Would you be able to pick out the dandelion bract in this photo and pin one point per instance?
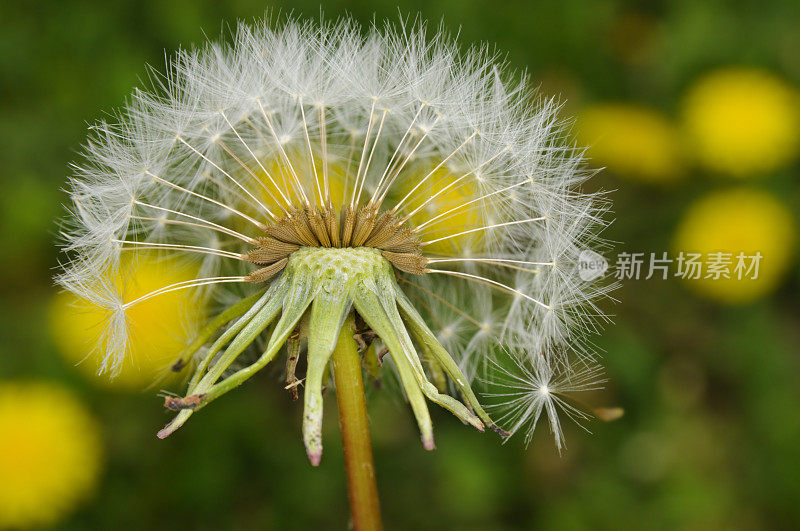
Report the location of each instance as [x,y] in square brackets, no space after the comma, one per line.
[320,171]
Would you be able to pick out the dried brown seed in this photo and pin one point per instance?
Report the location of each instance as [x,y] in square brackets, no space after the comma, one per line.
[265,273]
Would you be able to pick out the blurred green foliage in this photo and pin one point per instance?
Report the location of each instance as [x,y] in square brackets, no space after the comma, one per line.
[711,435]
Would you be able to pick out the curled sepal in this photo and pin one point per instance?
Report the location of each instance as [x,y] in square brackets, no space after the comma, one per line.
[297,298]
[260,321]
[376,305]
[388,292]
[327,316]
[427,339]
[239,336]
[371,310]
[208,331]
[175,423]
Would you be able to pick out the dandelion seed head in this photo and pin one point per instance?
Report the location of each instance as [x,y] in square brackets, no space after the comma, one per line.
[298,135]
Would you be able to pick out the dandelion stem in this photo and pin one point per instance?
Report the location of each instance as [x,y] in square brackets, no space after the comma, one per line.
[362,489]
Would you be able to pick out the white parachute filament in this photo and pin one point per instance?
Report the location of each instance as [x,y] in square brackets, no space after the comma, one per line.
[480,229]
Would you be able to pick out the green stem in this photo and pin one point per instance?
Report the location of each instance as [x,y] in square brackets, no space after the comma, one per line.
[362,489]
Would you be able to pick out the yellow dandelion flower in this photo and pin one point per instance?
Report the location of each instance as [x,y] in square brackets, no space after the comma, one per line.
[50,453]
[741,121]
[738,221]
[163,327]
[631,140]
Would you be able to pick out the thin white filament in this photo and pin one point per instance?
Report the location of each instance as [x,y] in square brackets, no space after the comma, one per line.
[511,264]
[434,170]
[298,184]
[349,164]
[206,198]
[168,221]
[396,173]
[255,158]
[180,247]
[286,187]
[462,205]
[487,227]
[392,161]
[183,285]
[203,222]
[363,153]
[371,153]
[446,188]
[324,144]
[228,175]
[490,282]
[246,168]
[310,151]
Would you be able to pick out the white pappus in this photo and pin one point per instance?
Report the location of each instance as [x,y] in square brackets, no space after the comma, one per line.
[443,161]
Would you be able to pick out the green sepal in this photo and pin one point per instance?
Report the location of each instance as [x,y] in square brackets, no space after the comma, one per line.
[425,337]
[385,320]
[297,298]
[328,312]
[371,310]
[226,337]
[252,323]
[232,312]
[251,330]
[388,292]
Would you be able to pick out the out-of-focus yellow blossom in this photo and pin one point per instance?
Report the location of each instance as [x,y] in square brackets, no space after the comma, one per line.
[50,454]
[738,221]
[742,121]
[453,220]
[631,140]
[276,179]
[160,327]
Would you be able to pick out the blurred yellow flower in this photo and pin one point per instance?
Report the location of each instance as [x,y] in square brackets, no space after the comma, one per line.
[443,194]
[738,221]
[741,121]
[160,327]
[276,177]
[631,140]
[50,453]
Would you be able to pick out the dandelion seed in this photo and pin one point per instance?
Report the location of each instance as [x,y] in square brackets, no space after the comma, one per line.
[159,327]
[315,173]
[530,387]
